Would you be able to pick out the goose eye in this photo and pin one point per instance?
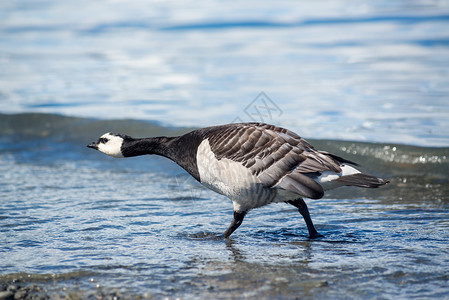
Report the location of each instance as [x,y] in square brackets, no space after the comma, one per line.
[103,140]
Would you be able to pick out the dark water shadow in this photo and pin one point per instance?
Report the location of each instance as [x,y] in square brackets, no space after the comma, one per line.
[205,236]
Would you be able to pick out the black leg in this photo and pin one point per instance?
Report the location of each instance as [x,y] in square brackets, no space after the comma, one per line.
[236,222]
[304,211]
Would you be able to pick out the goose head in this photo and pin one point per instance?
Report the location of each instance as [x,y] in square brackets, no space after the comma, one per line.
[110,144]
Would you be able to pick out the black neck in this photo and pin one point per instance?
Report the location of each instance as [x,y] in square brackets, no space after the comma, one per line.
[182,149]
[155,145]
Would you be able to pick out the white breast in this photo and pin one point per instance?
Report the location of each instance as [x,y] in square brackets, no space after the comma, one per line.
[231,179]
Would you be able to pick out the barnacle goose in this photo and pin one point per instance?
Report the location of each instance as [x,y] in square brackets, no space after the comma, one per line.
[253,164]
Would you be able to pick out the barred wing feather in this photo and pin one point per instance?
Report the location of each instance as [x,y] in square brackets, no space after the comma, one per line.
[278,157]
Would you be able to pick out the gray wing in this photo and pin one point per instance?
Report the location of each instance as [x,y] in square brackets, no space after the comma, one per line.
[277,156]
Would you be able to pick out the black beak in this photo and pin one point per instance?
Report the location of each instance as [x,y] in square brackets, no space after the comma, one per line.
[93,145]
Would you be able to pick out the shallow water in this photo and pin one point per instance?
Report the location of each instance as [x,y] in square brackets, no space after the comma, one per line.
[73,220]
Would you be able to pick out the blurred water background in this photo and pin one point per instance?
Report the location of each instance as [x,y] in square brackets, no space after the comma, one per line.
[367,80]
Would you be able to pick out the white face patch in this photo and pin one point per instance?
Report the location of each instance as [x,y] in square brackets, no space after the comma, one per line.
[111,145]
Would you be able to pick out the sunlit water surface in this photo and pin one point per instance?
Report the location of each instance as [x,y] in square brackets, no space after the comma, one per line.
[353,70]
